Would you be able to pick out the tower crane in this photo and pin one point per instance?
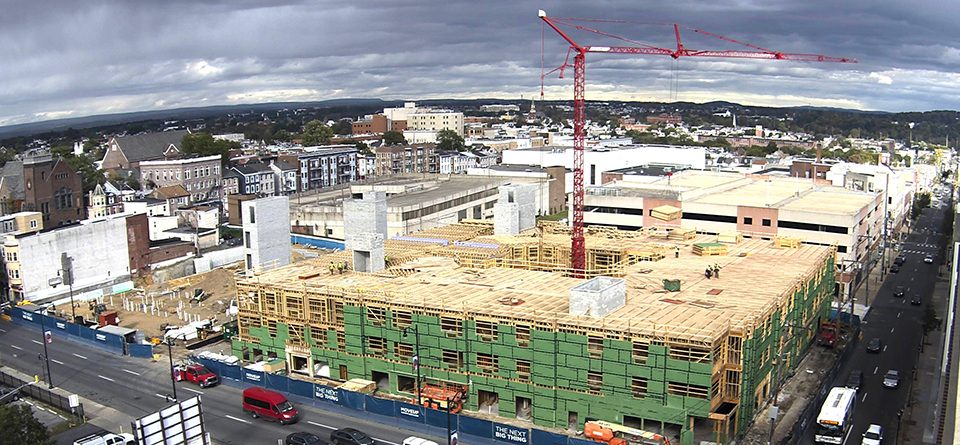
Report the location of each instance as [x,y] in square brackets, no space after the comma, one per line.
[578,249]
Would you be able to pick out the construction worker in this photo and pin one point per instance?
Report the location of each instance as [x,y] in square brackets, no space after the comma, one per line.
[708,272]
[676,252]
[716,270]
[340,268]
[332,268]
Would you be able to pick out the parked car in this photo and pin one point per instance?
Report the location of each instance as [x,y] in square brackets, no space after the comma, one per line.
[855,379]
[873,435]
[304,438]
[413,440]
[899,291]
[350,436]
[928,259]
[891,379]
[271,405]
[895,268]
[916,301]
[900,260]
[874,345]
[198,374]
[105,438]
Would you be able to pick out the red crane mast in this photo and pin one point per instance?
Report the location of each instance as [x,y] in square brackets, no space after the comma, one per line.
[578,249]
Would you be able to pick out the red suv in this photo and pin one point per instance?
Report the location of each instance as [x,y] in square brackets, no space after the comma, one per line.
[270,405]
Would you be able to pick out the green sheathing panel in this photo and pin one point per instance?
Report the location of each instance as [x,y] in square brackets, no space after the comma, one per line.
[559,362]
[810,304]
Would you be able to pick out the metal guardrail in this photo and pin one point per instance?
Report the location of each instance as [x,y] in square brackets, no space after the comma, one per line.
[40,394]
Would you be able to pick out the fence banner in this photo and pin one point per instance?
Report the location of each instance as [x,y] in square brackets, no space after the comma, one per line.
[230,372]
[277,382]
[410,412]
[301,388]
[353,400]
[476,427]
[140,351]
[439,418]
[576,441]
[380,406]
[541,437]
[327,394]
[511,434]
[253,377]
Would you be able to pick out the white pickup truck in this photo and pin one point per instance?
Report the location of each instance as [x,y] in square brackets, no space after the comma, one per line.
[106,439]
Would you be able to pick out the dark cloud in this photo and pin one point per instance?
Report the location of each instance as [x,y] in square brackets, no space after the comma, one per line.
[67,58]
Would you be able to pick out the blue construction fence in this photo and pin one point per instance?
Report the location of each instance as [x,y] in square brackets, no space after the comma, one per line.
[316,241]
[406,414]
[59,327]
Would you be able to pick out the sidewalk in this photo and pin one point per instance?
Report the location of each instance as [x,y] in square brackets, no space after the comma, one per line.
[95,413]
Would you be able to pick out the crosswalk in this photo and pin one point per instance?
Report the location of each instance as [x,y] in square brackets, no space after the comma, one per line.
[914,251]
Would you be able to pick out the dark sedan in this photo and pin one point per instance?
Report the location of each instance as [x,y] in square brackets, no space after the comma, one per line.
[916,301]
[874,345]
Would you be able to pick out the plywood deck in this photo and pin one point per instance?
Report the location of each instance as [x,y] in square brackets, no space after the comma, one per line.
[755,277]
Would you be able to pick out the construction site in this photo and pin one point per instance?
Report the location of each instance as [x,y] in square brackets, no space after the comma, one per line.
[664,330]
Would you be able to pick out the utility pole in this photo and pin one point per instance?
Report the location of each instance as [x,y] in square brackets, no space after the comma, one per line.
[173,378]
[416,358]
[886,222]
[46,337]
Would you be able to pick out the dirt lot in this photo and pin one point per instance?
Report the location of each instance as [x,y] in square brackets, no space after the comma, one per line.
[170,302]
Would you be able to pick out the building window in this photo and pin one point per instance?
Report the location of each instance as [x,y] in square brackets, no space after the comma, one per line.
[246,238]
[766,222]
[640,352]
[253,216]
[452,360]
[486,330]
[376,316]
[523,335]
[376,344]
[638,386]
[403,351]
[688,390]
[594,380]
[452,327]
[402,319]
[748,220]
[523,369]
[488,363]
[595,346]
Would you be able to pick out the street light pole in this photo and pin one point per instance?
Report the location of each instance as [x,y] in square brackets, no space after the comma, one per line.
[416,358]
[173,379]
[66,270]
[46,354]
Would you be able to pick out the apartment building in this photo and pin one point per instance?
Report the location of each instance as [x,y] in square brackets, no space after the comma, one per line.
[200,176]
[400,159]
[323,166]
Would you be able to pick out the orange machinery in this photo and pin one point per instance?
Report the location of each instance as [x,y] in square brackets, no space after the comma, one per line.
[614,434]
[436,397]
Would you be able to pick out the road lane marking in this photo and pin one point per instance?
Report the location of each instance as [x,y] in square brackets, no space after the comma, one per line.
[247,421]
[79,356]
[864,398]
[37,342]
[875,369]
[56,361]
[16,347]
[884,348]
[3,330]
[129,371]
[394,443]
[321,425]
[891,330]
[899,313]
[106,378]
[193,390]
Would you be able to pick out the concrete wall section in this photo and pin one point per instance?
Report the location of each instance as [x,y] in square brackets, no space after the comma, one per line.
[99,251]
[266,231]
[598,297]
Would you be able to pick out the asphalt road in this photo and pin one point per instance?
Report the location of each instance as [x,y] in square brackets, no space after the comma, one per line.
[898,324]
[137,387]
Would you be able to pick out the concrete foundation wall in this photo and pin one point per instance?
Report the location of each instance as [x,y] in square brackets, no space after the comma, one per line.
[365,216]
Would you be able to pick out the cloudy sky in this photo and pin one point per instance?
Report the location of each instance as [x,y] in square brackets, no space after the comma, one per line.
[73,58]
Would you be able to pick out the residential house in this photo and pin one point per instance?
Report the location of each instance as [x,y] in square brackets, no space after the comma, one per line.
[176,196]
[200,176]
[285,174]
[399,159]
[323,166]
[125,153]
[107,199]
[255,179]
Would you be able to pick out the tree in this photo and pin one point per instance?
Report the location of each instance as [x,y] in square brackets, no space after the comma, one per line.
[449,140]
[20,427]
[343,126]
[203,144]
[316,132]
[394,138]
